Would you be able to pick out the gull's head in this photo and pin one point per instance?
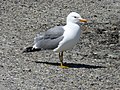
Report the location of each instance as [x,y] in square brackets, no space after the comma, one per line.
[74,17]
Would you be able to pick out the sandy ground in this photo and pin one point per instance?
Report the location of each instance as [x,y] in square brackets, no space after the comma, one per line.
[94,62]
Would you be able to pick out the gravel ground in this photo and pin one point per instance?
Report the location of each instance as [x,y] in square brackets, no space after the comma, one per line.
[94,61]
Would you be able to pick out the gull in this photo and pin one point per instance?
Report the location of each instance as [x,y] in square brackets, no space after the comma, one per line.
[59,38]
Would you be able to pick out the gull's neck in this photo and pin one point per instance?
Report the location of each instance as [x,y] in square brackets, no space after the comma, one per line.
[72,25]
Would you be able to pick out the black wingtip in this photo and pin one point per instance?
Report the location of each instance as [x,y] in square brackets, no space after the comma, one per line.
[30,49]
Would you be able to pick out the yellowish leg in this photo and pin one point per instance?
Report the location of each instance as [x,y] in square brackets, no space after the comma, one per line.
[61,60]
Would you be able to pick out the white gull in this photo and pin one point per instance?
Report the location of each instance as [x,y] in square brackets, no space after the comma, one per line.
[59,38]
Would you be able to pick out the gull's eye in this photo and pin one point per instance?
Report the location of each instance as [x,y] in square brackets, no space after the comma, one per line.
[75,17]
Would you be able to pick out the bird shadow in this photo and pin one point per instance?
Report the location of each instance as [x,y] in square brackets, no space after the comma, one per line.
[72,65]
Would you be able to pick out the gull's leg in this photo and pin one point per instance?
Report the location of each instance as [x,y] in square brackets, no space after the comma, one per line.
[61,60]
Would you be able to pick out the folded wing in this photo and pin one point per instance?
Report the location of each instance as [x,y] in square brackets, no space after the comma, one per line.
[50,40]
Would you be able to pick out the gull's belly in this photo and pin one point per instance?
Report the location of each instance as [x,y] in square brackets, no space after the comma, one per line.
[70,40]
[71,37]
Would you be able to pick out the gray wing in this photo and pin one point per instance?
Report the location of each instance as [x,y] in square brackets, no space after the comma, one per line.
[54,33]
[51,38]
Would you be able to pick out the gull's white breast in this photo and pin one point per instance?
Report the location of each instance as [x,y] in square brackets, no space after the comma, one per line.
[71,37]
